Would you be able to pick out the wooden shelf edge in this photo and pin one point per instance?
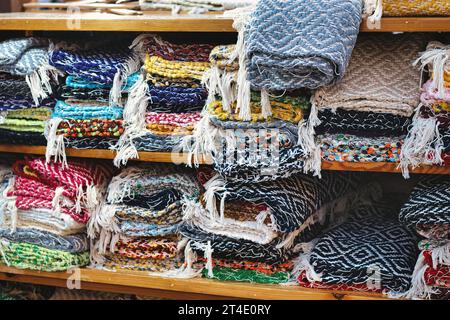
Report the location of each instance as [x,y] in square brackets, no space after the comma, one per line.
[165,22]
[142,283]
[181,158]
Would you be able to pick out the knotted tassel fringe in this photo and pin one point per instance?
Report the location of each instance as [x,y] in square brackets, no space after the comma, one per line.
[55,143]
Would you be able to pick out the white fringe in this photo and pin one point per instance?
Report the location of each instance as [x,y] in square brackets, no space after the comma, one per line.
[306,139]
[39,82]
[55,143]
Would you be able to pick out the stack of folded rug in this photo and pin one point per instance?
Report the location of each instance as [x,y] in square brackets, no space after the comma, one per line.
[365,117]
[428,139]
[25,90]
[427,210]
[89,110]
[256,118]
[45,209]
[165,104]
[138,228]
[251,232]
[371,252]
[263,147]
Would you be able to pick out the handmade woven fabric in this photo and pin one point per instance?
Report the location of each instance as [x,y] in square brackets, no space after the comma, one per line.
[42,114]
[344,147]
[90,128]
[428,204]
[74,243]
[290,200]
[222,57]
[432,272]
[369,252]
[230,248]
[176,99]
[114,262]
[401,8]
[67,92]
[259,267]
[150,142]
[152,248]
[81,112]
[98,65]
[26,138]
[14,102]
[90,143]
[171,123]
[37,184]
[358,123]
[380,77]
[315,50]
[44,220]
[23,125]
[23,56]
[29,256]
[14,85]
[242,275]
[156,46]
[280,110]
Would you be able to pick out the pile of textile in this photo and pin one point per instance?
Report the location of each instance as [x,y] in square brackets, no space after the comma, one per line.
[428,139]
[25,90]
[89,111]
[194,6]
[365,117]
[137,229]
[250,231]
[427,210]
[45,209]
[256,125]
[370,252]
[165,104]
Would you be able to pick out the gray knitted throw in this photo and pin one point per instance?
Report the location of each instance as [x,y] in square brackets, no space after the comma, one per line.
[300,43]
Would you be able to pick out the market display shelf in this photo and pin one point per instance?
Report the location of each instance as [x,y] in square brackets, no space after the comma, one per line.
[142,284]
[160,21]
[180,158]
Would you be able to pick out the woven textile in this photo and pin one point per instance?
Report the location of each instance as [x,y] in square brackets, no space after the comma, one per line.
[156,46]
[401,8]
[29,256]
[82,112]
[42,114]
[90,128]
[13,102]
[38,181]
[316,47]
[155,65]
[90,143]
[98,65]
[290,200]
[349,148]
[242,275]
[380,77]
[26,138]
[428,204]
[361,123]
[369,252]
[171,123]
[230,248]
[14,85]
[74,243]
[23,56]
[152,142]
[23,125]
[176,99]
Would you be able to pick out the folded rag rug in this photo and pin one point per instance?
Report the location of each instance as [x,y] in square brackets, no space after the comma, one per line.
[29,256]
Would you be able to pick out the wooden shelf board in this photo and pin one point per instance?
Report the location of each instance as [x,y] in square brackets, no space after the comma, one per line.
[143,284]
[180,158]
[163,21]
